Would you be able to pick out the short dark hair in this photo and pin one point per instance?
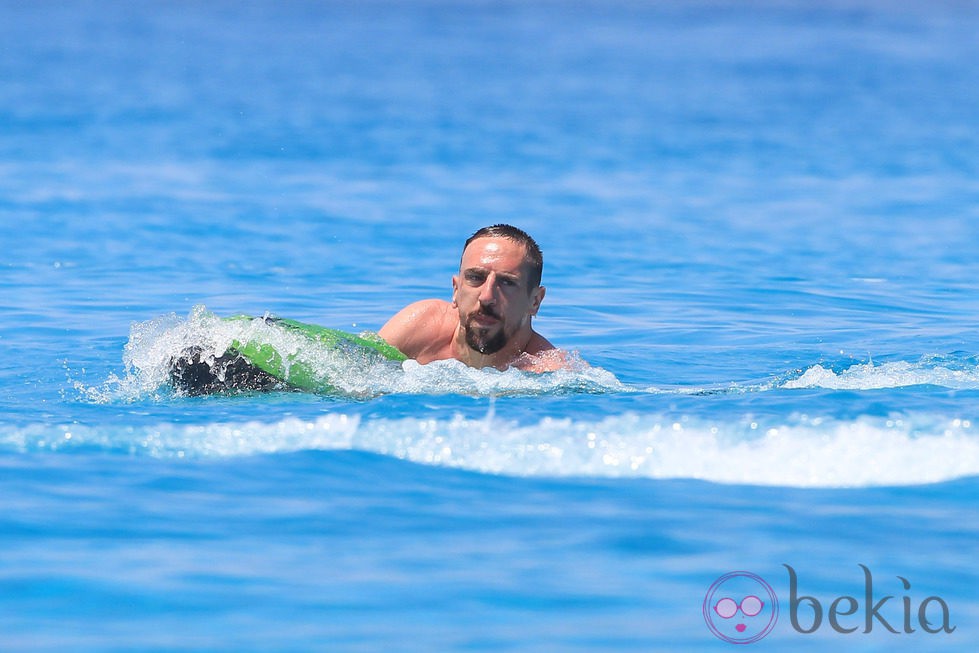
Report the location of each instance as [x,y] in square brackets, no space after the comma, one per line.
[534,257]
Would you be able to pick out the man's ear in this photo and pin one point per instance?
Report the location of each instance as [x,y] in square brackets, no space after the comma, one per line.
[537,299]
[455,289]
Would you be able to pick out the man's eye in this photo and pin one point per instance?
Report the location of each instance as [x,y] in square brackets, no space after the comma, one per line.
[475,277]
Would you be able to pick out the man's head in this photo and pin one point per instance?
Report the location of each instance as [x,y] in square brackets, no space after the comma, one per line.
[497,290]
[533,255]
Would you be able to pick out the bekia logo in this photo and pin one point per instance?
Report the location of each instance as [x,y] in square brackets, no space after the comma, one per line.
[742,608]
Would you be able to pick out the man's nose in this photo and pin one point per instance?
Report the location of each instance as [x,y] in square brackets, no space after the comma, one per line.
[487,293]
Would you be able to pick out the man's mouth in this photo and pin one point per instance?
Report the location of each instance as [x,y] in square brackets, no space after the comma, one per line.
[485,317]
[485,331]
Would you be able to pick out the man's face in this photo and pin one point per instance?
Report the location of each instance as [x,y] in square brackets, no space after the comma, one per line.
[492,294]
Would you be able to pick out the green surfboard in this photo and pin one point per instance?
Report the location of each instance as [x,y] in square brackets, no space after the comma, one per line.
[298,374]
[257,360]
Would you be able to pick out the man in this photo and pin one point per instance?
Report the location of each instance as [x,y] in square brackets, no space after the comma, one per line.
[488,322]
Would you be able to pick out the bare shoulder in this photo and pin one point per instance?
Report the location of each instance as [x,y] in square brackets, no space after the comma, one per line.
[538,345]
[417,326]
[550,360]
[541,356]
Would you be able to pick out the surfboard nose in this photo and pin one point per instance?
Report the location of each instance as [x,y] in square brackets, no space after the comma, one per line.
[193,374]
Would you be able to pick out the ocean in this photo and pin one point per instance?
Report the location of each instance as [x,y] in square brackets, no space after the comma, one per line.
[758,222]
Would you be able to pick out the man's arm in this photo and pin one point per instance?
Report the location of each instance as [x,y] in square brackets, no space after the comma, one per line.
[416,328]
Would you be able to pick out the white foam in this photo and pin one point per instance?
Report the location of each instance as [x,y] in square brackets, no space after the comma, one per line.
[153,344]
[796,451]
[898,374]
[801,453]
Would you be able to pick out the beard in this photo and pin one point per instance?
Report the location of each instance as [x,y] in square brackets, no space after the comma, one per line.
[479,339]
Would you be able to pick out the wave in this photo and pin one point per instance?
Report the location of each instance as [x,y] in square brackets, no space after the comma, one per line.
[802,452]
[154,344]
[941,371]
[792,451]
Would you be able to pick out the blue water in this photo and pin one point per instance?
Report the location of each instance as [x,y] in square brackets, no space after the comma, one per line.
[759,224]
